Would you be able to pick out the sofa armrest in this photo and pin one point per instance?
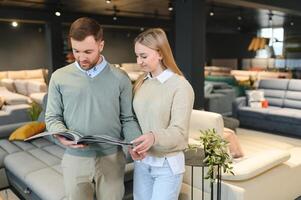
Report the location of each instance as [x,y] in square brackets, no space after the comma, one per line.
[257,164]
[6,130]
[237,103]
[203,120]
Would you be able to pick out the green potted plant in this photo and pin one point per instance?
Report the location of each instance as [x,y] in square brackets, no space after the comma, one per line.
[34,111]
[216,153]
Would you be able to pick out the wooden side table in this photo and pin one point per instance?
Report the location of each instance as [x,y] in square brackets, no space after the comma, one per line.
[194,158]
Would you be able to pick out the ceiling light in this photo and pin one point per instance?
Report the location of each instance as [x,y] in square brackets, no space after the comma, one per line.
[270,18]
[239,17]
[170,7]
[108,1]
[211,12]
[14,24]
[292,23]
[238,28]
[141,29]
[57,13]
[115,13]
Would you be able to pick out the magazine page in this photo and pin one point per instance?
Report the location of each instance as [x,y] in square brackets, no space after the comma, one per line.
[103,139]
[40,135]
[70,135]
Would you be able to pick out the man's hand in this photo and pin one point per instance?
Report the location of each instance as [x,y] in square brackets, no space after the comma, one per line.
[144,143]
[135,155]
[68,143]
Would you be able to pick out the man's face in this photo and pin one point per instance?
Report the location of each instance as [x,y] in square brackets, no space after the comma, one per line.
[87,52]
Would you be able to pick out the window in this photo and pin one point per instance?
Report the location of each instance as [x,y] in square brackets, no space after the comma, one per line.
[276,42]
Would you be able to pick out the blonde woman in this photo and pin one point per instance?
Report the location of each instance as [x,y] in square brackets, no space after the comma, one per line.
[163,102]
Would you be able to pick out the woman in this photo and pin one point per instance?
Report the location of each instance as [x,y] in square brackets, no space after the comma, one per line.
[163,101]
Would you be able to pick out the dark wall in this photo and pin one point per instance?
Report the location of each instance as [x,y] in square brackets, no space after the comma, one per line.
[23,47]
[119,45]
[228,45]
[292,37]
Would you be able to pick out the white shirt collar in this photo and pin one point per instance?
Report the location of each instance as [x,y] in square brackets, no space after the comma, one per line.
[163,76]
[95,70]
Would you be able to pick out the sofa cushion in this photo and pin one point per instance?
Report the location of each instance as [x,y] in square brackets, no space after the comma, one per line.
[250,167]
[3,74]
[44,182]
[274,84]
[274,97]
[3,153]
[34,74]
[36,87]
[12,98]
[294,85]
[293,95]
[285,116]
[20,74]
[8,84]
[258,113]
[274,90]
[21,87]
[15,164]
[45,157]
[2,100]
[292,100]
[38,97]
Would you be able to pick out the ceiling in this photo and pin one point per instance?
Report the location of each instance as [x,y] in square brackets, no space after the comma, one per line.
[225,14]
[134,8]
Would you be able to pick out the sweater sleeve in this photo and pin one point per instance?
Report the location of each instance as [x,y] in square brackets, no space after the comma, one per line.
[54,111]
[130,127]
[175,136]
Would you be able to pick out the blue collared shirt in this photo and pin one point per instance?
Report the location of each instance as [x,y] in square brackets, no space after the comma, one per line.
[95,70]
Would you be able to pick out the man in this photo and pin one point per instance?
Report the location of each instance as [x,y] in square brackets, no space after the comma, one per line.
[91,97]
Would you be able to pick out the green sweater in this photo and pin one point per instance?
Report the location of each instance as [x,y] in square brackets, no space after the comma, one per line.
[91,106]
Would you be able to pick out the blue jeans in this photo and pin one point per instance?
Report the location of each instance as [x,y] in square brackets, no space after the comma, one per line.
[156,183]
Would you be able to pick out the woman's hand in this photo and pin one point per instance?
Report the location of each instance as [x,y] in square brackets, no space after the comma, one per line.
[135,155]
[144,143]
[68,143]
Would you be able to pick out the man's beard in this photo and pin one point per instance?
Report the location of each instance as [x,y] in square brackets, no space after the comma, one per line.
[91,65]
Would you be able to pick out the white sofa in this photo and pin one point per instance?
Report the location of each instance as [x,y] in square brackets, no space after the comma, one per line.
[269,169]
[132,69]
[25,82]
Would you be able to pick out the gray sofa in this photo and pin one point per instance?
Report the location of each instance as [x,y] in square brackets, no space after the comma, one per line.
[219,97]
[284,112]
[33,169]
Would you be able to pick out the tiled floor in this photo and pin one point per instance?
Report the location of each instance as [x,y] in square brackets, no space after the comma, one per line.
[8,195]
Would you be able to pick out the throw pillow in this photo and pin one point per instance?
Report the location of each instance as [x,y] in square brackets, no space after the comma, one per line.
[234,146]
[255,97]
[27,130]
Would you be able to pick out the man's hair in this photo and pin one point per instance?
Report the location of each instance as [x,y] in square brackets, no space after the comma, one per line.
[84,27]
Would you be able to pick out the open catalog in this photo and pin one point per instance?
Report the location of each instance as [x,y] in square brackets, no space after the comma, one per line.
[80,139]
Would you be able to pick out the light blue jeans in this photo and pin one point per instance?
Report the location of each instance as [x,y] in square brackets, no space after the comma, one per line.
[156,183]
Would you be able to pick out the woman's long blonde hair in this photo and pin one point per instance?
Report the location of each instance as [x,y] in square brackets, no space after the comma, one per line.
[155,38]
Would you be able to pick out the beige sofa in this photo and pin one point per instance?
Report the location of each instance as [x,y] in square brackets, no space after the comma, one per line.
[25,82]
[132,69]
[244,75]
[269,169]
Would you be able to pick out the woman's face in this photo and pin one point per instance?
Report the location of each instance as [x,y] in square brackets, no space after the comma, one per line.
[148,59]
